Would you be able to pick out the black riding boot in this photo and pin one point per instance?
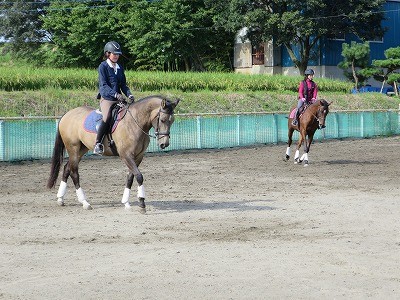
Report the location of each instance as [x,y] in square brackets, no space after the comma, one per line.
[99,147]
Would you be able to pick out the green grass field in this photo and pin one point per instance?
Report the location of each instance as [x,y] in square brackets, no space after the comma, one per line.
[27,91]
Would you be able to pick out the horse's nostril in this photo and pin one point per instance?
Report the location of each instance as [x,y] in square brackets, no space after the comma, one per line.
[162,146]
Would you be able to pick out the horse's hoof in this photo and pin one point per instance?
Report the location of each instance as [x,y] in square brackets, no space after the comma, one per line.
[286,158]
[306,163]
[60,202]
[87,206]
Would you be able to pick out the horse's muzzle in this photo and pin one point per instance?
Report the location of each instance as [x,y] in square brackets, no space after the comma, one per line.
[165,143]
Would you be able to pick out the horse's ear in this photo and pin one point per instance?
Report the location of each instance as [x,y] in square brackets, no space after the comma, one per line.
[163,103]
[175,103]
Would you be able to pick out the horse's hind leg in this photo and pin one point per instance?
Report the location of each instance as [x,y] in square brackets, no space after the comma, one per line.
[71,169]
[62,190]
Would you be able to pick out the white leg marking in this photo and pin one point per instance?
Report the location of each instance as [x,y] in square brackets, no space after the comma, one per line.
[296,156]
[82,199]
[125,198]
[62,190]
[288,151]
[140,192]
[303,157]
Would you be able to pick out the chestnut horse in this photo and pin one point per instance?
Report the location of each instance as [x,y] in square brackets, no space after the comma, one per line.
[131,139]
[310,120]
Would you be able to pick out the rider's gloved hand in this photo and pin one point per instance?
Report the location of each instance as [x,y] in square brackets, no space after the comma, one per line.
[119,97]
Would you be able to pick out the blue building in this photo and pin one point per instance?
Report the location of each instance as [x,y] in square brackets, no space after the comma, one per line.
[273,59]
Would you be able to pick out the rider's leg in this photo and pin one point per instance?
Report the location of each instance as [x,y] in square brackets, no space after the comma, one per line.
[296,118]
[105,106]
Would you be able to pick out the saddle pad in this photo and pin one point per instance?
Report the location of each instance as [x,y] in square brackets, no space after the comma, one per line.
[293,113]
[92,121]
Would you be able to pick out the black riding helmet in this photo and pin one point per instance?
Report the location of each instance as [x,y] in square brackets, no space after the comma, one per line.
[113,47]
[309,72]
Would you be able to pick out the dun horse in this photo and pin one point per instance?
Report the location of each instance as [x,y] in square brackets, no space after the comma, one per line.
[311,119]
[131,139]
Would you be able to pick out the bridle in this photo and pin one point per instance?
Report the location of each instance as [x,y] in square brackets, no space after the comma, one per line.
[157,134]
[320,115]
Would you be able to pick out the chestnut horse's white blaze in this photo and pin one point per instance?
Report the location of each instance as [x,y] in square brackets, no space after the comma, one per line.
[131,138]
[312,119]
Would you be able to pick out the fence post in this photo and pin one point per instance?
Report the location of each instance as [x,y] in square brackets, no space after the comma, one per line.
[362,124]
[198,119]
[2,142]
[238,130]
[276,133]
[398,121]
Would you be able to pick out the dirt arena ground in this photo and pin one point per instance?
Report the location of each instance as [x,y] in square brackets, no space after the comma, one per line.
[226,224]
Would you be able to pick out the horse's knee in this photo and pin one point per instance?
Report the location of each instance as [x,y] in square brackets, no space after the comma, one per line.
[139,179]
[129,180]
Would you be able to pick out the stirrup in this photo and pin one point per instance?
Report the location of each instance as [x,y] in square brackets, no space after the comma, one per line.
[294,122]
[98,149]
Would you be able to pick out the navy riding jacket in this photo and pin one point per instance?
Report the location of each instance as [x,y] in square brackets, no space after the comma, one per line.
[110,83]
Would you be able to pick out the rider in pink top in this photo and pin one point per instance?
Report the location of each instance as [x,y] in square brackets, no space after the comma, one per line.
[308,91]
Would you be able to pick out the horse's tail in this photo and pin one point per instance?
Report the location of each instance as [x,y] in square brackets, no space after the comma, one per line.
[57,160]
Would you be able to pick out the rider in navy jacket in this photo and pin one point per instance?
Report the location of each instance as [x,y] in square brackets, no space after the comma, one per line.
[112,83]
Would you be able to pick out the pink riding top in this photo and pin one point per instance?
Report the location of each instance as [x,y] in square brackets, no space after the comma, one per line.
[308,91]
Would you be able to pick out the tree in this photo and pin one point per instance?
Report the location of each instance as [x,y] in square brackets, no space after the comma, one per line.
[21,26]
[389,67]
[78,31]
[175,35]
[299,25]
[355,65]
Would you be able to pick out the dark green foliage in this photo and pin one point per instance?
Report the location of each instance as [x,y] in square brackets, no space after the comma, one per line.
[21,26]
[355,64]
[390,67]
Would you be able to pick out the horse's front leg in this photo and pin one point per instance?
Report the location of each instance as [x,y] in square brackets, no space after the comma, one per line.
[299,143]
[134,171]
[307,145]
[289,143]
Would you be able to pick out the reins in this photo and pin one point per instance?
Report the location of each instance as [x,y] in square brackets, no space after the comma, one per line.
[157,134]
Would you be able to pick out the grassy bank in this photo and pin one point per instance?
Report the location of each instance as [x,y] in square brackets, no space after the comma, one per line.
[27,91]
[55,102]
[20,78]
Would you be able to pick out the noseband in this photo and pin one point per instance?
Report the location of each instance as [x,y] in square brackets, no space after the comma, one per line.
[157,132]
